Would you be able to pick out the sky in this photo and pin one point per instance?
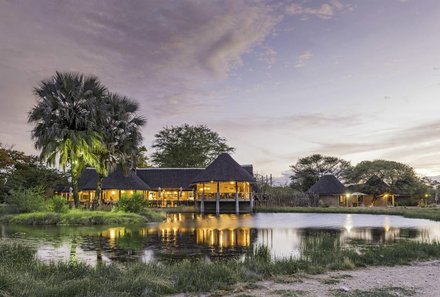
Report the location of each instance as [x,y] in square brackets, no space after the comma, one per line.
[279,80]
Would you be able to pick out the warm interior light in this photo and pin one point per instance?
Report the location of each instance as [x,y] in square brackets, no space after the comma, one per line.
[113,192]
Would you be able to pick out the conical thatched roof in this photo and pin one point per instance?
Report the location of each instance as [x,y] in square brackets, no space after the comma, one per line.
[328,185]
[224,168]
[115,180]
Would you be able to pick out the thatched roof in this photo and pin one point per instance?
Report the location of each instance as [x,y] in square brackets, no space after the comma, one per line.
[115,180]
[224,168]
[170,178]
[328,185]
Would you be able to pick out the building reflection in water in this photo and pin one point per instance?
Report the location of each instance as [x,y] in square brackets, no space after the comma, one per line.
[192,235]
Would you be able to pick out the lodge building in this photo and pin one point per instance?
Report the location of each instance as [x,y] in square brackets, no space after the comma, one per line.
[224,186]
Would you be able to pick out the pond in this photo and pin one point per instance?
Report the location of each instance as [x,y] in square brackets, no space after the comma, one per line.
[193,235]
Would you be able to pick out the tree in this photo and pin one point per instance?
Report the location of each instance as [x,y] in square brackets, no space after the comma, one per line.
[308,170]
[18,170]
[119,127]
[188,146]
[64,126]
[398,176]
[142,160]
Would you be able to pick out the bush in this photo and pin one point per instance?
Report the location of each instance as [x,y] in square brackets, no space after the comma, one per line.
[27,200]
[58,204]
[134,203]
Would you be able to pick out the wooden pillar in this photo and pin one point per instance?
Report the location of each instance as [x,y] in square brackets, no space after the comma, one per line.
[217,200]
[202,201]
[237,203]
[251,200]
[392,199]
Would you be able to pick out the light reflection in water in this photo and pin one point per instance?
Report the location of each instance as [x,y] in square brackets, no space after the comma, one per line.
[191,235]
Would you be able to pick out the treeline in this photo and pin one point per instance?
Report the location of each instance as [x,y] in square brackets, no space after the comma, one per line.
[19,171]
[372,177]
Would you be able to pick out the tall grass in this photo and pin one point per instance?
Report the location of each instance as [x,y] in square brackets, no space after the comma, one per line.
[23,275]
[83,217]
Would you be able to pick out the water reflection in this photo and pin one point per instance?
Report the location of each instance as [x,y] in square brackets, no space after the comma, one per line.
[192,236]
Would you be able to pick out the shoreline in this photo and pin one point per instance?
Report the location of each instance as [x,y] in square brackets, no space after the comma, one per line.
[81,218]
[412,213]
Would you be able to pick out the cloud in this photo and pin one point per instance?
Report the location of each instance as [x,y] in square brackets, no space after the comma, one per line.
[324,11]
[291,122]
[268,56]
[302,58]
[163,53]
[417,145]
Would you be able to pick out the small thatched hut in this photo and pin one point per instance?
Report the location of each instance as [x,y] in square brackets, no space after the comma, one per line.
[330,190]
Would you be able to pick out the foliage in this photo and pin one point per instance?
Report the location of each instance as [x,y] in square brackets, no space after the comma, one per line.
[63,118]
[119,127]
[308,170]
[135,203]
[18,170]
[188,146]
[23,274]
[26,200]
[80,217]
[142,160]
[58,204]
[379,176]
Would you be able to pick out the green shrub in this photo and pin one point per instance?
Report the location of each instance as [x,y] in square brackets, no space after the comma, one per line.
[27,200]
[58,204]
[134,203]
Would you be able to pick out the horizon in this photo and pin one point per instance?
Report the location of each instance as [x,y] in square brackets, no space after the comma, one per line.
[279,80]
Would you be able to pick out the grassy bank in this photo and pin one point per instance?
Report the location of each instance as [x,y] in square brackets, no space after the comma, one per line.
[22,275]
[83,217]
[420,213]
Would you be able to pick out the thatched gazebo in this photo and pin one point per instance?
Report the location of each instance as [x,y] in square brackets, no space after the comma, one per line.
[330,190]
[223,181]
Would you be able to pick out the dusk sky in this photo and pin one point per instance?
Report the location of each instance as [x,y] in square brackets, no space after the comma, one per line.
[279,79]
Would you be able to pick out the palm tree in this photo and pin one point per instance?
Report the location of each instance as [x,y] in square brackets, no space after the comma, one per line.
[120,129]
[64,122]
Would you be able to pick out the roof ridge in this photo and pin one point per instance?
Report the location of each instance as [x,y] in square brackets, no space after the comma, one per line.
[168,168]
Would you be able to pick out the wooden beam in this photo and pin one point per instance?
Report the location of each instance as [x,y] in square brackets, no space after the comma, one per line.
[237,203]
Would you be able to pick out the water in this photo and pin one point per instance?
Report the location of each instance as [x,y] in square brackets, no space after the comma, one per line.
[194,236]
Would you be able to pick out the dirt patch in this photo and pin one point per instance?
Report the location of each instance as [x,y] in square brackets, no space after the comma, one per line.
[418,279]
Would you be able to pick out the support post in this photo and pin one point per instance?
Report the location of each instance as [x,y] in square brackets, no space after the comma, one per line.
[251,201]
[237,203]
[217,200]
[202,201]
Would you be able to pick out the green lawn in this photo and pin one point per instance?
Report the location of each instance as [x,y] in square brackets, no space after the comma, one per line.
[415,212]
